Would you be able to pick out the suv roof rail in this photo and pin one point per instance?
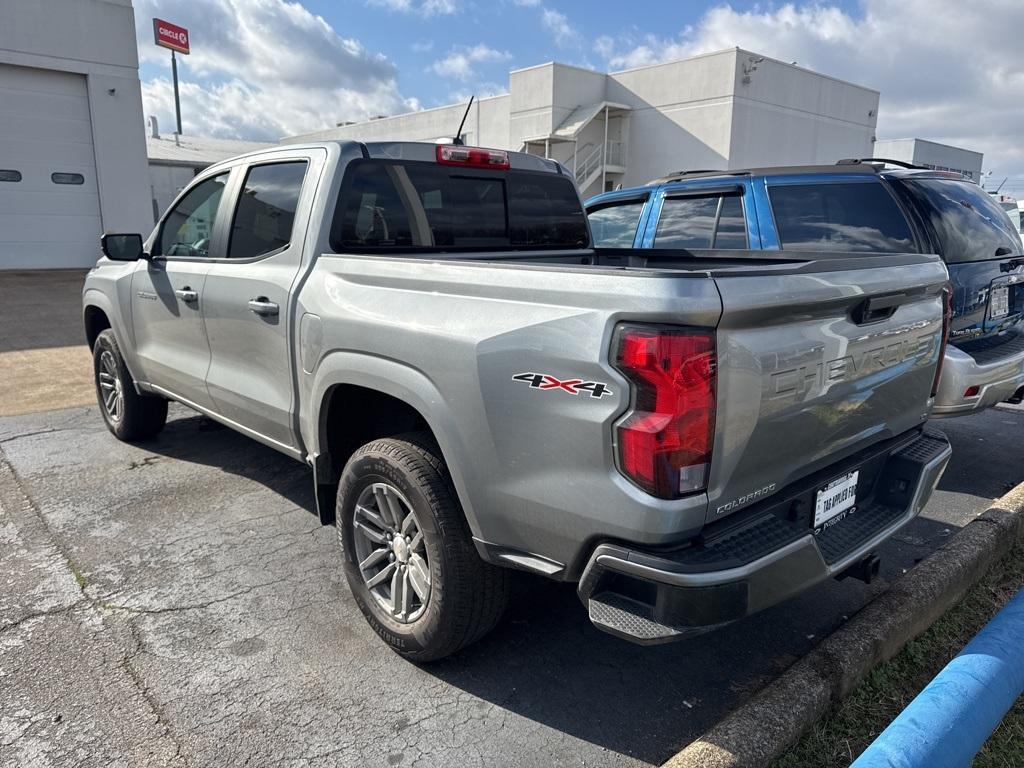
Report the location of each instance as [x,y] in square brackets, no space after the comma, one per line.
[695,172]
[890,161]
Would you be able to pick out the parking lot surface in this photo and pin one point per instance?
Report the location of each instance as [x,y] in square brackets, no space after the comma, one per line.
[178,603]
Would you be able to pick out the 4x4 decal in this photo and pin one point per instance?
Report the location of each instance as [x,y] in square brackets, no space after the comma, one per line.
[572,386]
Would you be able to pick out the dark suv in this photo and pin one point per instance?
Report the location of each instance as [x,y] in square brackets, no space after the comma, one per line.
[866,206]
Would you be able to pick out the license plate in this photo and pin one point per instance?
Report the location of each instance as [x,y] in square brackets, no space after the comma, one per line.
[835,499]
[999,302]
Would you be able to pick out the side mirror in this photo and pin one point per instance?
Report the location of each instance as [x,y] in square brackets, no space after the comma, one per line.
[122,247]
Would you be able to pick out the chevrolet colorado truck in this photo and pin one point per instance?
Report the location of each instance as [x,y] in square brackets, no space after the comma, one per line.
[856,205]
[688,436]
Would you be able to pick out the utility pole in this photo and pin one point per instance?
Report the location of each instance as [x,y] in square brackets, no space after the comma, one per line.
[177,99]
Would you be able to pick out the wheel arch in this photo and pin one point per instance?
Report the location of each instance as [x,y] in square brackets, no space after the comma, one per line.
[360,398]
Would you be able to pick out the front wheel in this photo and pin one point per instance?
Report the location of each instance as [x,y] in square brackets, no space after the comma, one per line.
[408,554]
[127,414]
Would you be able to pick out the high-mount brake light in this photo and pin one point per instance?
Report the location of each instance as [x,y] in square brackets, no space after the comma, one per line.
[947,321]
[477,157]
[665,441]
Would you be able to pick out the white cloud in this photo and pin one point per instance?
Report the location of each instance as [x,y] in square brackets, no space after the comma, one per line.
[271,68]
[527,3]
[947,70]
[459,63]
[423,46]
[423,8]
[558,25]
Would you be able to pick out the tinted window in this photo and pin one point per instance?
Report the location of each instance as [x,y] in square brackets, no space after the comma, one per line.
[840,217]
[686,222]
[266,209]
[614,226]
[967,223]
[701,222]
[732,226]
[189,226]
[413,205]
[10,175]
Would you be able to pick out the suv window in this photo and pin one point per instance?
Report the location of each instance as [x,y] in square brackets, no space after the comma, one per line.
[187,229]
[967,223]
[613,225]
[856,216]
[701,222]
[266,209]
[388,205]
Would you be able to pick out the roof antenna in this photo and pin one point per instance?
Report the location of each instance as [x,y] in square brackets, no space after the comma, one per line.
[458,136]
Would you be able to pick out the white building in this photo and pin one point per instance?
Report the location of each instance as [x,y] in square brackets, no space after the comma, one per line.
[931,154]
[72,143]
[175,160]
[730,109]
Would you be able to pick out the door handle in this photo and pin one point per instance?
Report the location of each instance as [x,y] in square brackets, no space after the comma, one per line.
[186,294]
[263,306]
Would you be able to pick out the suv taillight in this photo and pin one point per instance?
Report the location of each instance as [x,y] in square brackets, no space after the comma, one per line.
[664,442]
[947,321]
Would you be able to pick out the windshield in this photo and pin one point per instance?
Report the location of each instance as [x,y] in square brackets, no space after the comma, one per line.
[967,223]
[419,206]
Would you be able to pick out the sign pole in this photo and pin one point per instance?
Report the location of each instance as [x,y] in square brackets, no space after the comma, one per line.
[177,101]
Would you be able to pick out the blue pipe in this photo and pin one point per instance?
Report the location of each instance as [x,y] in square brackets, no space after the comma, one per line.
[949,721]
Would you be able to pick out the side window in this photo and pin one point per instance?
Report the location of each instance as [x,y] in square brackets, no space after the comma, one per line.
[702,222]
[614,225]
[189,226]
[840,217]
[732,225]
[266,209]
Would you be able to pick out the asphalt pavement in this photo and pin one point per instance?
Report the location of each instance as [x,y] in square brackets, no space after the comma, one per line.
[177,603]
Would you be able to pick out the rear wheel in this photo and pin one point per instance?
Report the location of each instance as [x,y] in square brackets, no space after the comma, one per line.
[127,414]
[408,555]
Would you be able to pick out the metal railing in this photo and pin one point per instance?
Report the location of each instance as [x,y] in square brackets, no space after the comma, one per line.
[590,158]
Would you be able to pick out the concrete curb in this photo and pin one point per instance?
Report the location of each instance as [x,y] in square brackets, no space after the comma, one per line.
[761,729]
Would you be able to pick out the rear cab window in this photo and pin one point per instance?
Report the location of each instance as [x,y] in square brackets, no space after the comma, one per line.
[840,216]
[412,206]
[967,224]
[613,224]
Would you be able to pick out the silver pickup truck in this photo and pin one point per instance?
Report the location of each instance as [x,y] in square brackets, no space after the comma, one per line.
[689,436]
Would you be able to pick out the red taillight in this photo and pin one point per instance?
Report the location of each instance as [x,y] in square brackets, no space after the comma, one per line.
[972,391]
[456,154]
[947,321]
[665,441]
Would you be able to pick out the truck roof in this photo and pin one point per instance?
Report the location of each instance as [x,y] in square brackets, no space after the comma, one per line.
[421,151]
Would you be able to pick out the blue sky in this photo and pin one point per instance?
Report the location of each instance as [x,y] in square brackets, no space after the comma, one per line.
[947,70]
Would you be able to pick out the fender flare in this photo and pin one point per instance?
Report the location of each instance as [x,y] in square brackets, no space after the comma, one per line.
[94,297]
[403,382]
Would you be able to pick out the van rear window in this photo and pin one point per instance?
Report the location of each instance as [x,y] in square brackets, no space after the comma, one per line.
[387,206]
[840,217]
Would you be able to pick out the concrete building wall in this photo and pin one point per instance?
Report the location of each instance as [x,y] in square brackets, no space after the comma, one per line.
[726,109]
[165,182]
[785,115]
[94,38]
[487,125]
[932,154]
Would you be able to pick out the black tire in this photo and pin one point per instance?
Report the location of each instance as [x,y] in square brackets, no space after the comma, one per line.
[467,596]
[135,417]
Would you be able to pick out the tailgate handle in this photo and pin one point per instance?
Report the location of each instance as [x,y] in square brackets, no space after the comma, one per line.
[877,308]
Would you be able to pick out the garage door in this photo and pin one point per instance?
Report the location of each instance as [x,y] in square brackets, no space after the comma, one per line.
[49,203]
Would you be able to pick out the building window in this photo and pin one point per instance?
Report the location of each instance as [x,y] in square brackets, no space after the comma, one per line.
[67,178]
[10,175]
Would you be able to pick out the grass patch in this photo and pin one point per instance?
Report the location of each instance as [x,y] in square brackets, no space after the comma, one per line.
[839,738]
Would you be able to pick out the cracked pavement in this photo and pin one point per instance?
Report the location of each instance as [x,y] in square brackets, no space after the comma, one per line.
[177,603]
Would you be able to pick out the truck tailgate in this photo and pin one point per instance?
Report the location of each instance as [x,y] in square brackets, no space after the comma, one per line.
[818,363]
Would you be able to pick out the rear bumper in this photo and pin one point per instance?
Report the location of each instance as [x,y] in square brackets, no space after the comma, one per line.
[998,373]
[652,597]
